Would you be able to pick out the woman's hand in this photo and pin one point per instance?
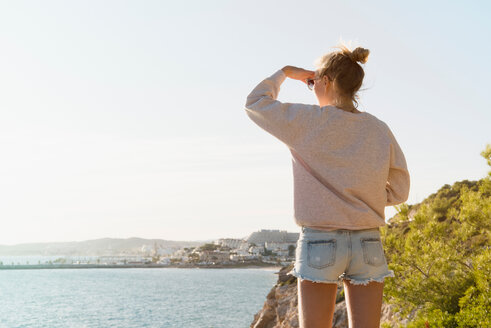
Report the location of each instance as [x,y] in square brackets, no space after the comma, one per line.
[298,73]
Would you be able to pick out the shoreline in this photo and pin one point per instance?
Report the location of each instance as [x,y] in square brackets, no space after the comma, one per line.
[268,266]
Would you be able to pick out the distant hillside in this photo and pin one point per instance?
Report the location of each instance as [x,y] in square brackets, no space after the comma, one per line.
[94,247]
[272,236]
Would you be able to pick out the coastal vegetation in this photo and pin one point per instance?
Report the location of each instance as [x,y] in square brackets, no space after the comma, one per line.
[439,251]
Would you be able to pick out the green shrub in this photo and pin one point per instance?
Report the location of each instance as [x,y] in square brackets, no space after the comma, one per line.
[439,251]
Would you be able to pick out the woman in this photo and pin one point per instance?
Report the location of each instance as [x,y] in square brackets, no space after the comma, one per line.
[347,166]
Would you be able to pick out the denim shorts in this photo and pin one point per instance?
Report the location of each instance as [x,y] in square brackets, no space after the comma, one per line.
[327,256]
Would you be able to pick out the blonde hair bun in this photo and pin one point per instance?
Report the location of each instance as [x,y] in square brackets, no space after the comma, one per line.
[342,67]
[360,55]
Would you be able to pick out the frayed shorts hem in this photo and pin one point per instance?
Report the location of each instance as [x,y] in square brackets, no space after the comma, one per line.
[352,281]
[294,273]
[366,281]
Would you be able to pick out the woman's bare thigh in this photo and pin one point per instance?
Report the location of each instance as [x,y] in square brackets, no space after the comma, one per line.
[316,303]
[364,304]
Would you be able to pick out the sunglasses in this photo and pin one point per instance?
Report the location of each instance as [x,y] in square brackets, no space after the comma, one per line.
[311,82]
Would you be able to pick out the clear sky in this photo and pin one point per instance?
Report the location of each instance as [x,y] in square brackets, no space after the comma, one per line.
[126,118]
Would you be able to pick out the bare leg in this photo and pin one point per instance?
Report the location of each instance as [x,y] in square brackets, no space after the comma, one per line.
[316,303]
[364,304]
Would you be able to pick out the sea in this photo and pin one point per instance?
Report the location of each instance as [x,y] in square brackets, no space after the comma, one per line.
[132,297]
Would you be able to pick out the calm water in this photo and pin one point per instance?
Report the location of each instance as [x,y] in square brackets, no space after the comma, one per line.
[167,297]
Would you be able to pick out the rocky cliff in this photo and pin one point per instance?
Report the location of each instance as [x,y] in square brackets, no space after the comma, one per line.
[280,308]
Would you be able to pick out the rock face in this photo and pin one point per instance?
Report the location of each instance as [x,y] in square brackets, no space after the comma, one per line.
[281,306]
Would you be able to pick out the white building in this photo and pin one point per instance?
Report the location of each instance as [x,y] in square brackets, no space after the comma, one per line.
[166,251]
[229,242]
[281,249]
[164,260]
[278,236]
[256,250]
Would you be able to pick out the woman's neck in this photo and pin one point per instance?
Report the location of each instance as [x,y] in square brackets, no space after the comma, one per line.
[346,108]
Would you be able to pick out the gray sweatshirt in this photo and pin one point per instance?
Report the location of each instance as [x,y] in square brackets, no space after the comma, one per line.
[346,167]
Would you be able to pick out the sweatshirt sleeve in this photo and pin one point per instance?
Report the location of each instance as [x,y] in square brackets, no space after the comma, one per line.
[398,181]
[286,121]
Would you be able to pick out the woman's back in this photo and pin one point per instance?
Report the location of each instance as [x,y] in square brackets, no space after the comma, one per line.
[341,183]
[347,167]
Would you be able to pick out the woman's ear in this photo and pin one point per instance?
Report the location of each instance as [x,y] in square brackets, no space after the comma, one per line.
[327,82]
[325,79]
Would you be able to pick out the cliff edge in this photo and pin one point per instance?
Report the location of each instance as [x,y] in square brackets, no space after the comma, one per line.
[280,308]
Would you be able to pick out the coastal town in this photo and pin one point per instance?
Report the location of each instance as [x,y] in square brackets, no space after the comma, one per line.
[260,248]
